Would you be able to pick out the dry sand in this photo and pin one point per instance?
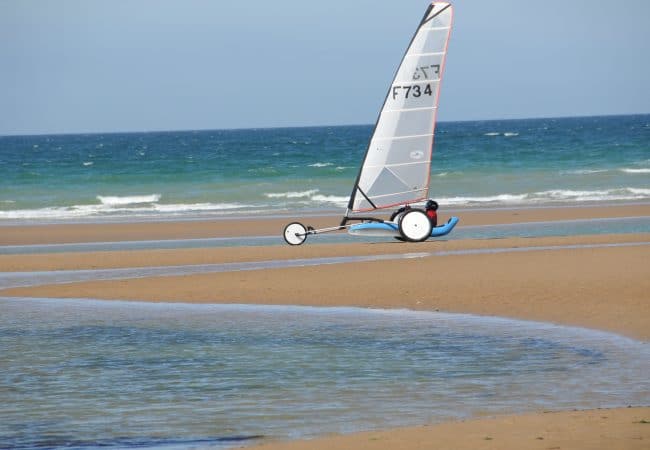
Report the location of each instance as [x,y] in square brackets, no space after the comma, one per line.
[604,287]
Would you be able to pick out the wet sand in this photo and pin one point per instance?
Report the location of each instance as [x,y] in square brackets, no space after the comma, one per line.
[606,429]
[602,286]
[229,227]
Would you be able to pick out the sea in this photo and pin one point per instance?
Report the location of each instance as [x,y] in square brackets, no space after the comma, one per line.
[90,374]
[219,173]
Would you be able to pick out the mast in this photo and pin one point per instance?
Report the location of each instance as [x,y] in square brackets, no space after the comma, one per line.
[396,166]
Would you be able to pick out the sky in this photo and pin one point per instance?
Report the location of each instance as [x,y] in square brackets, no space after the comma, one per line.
[75,66]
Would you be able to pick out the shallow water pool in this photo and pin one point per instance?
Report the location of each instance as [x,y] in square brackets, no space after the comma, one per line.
[89,374]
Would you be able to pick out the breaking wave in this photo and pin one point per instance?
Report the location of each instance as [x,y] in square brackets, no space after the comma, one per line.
[551,196]
[128,200]
[645,170]
[310,196]
[117,210]
[292,194]
[629,170]
[583,171]
[496,133]
[332,199]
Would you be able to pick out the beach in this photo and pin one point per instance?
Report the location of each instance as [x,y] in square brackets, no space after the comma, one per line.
[598,281]
[175,267]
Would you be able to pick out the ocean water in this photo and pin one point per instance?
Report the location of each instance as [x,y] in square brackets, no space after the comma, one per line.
[87,374]
[225,172]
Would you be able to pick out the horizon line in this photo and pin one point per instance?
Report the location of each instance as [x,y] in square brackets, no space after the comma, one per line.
[197,130]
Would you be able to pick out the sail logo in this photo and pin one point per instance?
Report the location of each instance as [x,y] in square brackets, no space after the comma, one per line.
[425,70]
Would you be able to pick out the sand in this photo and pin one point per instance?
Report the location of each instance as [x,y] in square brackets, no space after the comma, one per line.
[596,287]
[606,429]
[596,284]
[110,232]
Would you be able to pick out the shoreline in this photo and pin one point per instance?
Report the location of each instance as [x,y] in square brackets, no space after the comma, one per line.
[29,234]
[604,288]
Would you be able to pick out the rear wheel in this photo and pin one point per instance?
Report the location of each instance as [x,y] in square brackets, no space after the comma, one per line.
[414,226]
[295,233]
[395,218]
[397,214]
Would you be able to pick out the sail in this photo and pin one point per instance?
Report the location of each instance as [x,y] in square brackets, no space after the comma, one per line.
[396,168]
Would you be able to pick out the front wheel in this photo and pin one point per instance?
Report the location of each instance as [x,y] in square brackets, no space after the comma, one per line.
[414,226]
[295,233]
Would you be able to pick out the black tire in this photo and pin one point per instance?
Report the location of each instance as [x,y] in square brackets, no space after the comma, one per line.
[398,212]
[396,215]
[295,233]
[414,226]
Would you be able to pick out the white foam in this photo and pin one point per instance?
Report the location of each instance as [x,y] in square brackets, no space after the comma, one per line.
[640,191]
[320,164]
[337,200]
[88,163]
[588,196]
[292,194]
[583,171]
[510,134]
[492,133]
[79,211]
[626,170]
[501,198]
[554,195]
[199,207]
[46,213]
[128,200]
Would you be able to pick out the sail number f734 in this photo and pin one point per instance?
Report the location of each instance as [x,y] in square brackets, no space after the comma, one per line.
[414,91]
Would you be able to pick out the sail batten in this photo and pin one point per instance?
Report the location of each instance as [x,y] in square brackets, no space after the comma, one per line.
[397,164]
[410,109]
[400,165]
[427,54]
[403,137]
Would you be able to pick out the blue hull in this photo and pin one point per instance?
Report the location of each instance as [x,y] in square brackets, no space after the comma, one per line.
[391,228]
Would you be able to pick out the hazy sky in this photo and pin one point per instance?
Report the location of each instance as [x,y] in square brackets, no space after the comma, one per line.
[131,65]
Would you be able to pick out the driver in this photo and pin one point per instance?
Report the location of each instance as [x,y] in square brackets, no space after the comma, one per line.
[431,209]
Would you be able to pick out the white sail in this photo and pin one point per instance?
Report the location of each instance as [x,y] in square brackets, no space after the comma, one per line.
[397,165]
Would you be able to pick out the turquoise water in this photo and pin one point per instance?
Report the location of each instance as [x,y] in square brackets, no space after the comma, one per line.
[221,172]
[88,374]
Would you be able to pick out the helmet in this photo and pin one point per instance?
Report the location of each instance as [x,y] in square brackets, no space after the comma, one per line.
[432,204]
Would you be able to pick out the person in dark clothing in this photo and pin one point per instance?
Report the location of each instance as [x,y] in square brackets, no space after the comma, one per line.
[431,209]
[396,214]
